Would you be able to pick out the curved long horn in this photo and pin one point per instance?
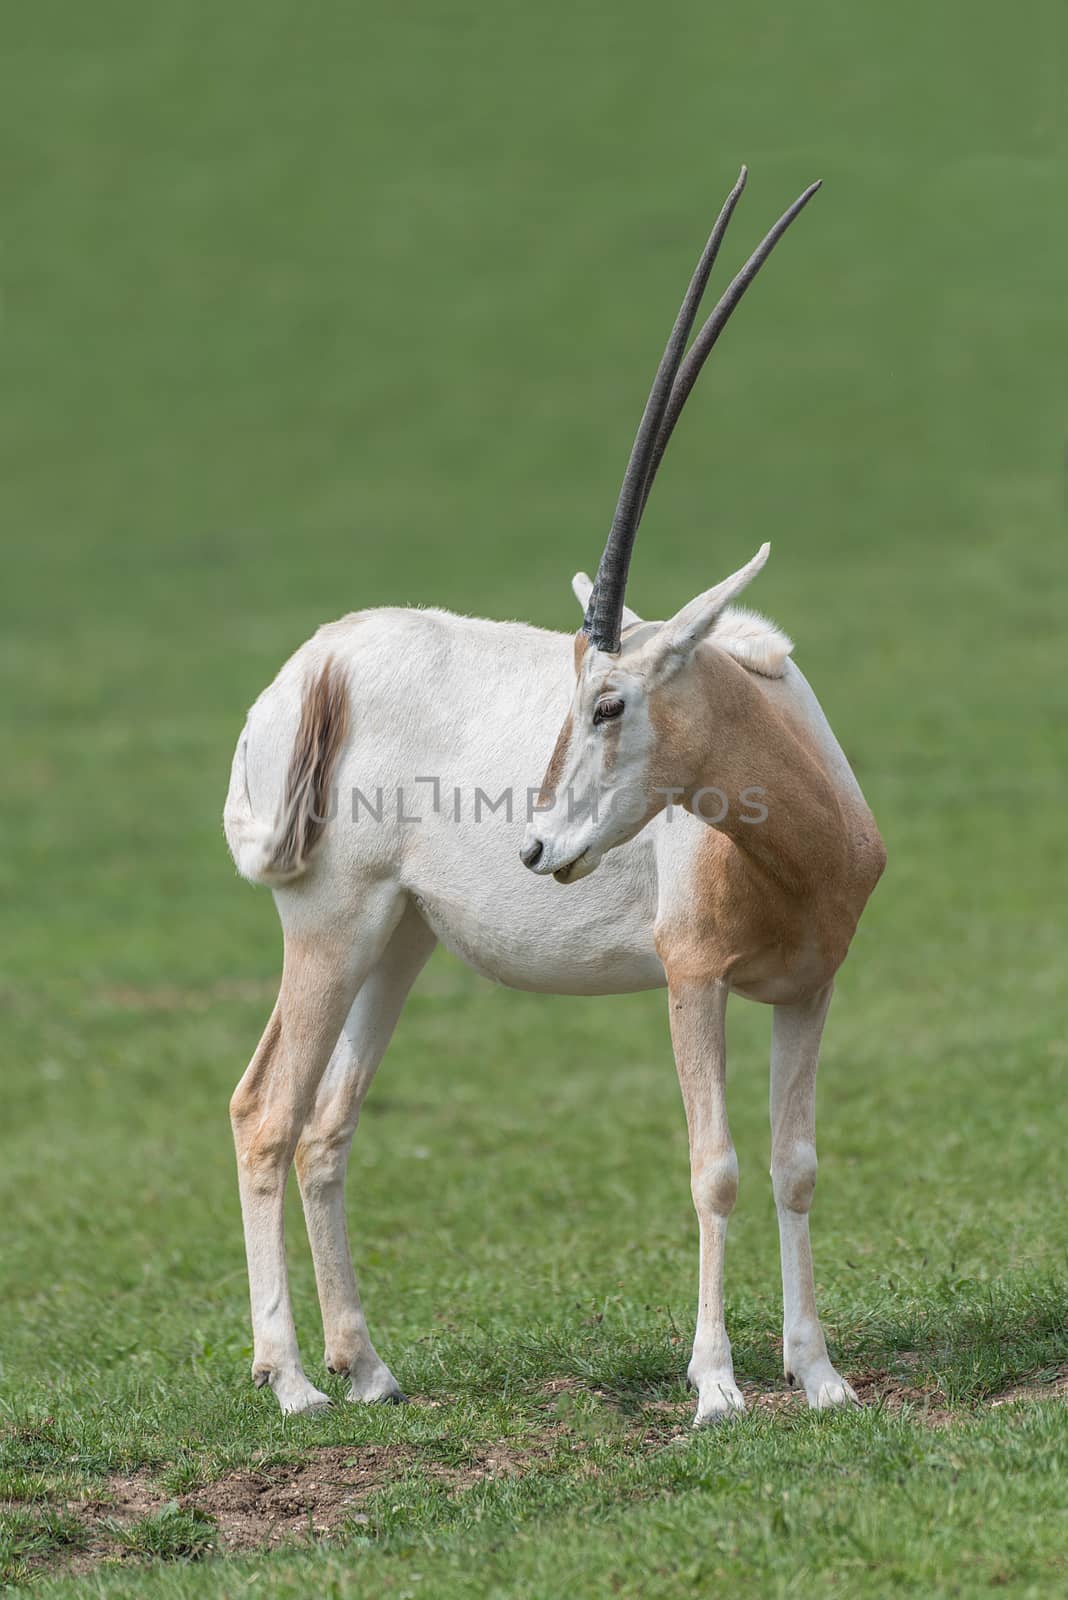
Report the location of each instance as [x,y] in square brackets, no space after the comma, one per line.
[701,348]
[671,386]
[603,613]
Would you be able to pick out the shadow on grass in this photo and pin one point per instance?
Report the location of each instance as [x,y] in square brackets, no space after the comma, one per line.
[971,1339]
[961,1339]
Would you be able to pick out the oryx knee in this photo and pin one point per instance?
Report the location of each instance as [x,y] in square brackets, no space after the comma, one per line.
[793,1176]
[264,1141]
[322,1157]
[714,1184]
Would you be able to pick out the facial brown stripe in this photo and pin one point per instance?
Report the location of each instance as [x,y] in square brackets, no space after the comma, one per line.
[554,770]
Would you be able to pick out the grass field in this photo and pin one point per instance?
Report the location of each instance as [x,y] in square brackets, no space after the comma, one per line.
[307,309]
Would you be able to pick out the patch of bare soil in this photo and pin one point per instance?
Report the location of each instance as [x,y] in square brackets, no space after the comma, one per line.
[1051,1385]
[257,1509]
[261,1508]
[885,1389]
[128,1496]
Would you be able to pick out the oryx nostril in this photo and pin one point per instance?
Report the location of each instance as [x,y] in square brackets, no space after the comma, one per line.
[530,854]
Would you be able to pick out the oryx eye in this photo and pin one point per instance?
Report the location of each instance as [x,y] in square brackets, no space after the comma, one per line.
[605,710]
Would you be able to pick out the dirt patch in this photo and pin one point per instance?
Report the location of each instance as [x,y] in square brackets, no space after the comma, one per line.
[886,1390]
[127,1497]
[261,1508]
[1049,1385]
[325,1493]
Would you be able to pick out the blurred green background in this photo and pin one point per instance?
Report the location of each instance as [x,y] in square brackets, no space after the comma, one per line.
[306,309]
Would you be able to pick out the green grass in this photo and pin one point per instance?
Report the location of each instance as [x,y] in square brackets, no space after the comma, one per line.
[169,1534]
[305,310]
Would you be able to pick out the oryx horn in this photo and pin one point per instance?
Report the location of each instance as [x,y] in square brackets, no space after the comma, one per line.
[674,379]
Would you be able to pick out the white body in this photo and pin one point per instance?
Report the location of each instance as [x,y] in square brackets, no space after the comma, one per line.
[477,706]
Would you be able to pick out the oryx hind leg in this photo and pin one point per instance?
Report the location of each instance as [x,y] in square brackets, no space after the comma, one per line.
[323,1152]
[321,976]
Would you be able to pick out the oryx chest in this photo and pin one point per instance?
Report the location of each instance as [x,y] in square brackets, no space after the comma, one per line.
[722,921]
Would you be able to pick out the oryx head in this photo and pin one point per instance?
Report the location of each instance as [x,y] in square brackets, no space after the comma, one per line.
[607,776]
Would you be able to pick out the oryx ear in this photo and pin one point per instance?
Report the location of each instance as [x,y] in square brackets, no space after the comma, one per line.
[678,637]
[583,588]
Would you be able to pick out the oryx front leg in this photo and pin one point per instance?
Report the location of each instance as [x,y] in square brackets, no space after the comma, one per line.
[323,1152]
[697,1035]
[796,1032]
[268,1110]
